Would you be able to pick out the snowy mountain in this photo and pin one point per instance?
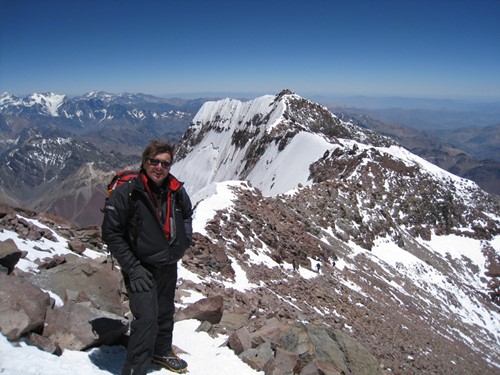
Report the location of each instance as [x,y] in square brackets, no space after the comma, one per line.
[230,139]
[46,104]
[58,174]
[302,219]
[109,121]
[91,107]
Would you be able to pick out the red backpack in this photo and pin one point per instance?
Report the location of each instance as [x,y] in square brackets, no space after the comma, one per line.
[118,179]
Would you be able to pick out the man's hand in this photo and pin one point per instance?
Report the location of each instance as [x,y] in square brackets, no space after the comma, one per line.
[141,279]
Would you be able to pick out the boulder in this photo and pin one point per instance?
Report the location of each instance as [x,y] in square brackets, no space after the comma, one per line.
[78,326]
[207,309]
[233,320]
[9,254]
[79,278]
[286,361]
[257,358]
[45,344]
[304,349]
[240,340]
[23,306]
[77,247]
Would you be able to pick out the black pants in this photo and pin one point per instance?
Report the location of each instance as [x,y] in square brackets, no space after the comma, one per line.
[153,324]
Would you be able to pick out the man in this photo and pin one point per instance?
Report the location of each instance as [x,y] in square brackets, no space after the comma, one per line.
[148,226]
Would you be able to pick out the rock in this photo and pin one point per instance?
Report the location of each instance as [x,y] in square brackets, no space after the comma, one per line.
[209,309]
[286,361]
[9,254]
[23,306]
[45,344]
[257,358]
[77,247]
[305,349]
[334,349]
[96,282]
[316,367]
[232,321]
[240,340]
[77,326]
[6,210]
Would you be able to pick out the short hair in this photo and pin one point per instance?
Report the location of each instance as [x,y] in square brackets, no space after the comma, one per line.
[156,147]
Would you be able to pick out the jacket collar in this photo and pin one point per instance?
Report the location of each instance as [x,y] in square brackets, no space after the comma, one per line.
[171,183]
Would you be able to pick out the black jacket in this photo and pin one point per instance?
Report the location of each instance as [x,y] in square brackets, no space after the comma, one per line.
[133,232]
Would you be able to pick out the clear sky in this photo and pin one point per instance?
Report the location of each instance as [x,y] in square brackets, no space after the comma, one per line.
[414,48]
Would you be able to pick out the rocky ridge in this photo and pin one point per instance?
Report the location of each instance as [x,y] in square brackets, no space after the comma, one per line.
[407,327]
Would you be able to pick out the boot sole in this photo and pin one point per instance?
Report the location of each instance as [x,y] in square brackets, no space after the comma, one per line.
[165,366]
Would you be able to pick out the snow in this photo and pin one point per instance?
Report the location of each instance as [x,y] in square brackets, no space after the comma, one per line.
[234,127]
[216,196]
[466,252]
[406,156]
[49,101]
[275,173]
[279,172]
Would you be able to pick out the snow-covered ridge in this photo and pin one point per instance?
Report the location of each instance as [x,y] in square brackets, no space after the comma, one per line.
[50,101]
[93,105]
[263,141]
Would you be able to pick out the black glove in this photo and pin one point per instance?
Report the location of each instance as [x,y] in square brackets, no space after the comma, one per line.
[140,279]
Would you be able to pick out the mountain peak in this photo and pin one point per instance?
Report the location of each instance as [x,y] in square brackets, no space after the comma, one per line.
[49,102]
[271,141]
[284,92]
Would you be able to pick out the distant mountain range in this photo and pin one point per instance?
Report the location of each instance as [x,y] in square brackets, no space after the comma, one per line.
[57,152]
[112,122]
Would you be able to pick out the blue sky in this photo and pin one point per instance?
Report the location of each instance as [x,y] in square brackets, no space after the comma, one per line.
[420,48]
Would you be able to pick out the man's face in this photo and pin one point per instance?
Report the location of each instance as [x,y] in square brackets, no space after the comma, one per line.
[157,167]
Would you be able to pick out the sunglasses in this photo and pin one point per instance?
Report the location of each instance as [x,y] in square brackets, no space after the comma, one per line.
[155,162]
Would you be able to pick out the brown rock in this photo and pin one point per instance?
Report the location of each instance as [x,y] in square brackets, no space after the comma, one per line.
[209,309]
[45,344]
[78,327]
[258,357]
[97,282]
[240,340]
[77,247]
[9,254]
[22,306]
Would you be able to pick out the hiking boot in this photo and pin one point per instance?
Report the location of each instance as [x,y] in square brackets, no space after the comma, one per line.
[171,362]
